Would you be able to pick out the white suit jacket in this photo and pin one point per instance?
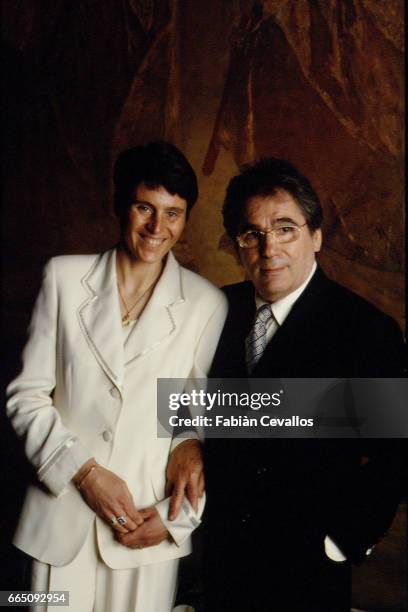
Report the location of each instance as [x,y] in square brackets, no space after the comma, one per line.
[82,393]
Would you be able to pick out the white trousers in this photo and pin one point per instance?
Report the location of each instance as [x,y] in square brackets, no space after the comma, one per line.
[95,587]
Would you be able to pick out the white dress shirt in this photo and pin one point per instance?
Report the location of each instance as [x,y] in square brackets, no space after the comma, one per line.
[281,308]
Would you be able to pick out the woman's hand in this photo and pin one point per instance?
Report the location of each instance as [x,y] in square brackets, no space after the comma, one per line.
[108,496]
[151,533]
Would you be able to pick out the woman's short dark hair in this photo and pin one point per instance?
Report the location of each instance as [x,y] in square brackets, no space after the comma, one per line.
[158,164]
[263,178]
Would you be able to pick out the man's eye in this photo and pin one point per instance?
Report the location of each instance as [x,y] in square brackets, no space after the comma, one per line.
[252,237]
[285,230]
[173,214]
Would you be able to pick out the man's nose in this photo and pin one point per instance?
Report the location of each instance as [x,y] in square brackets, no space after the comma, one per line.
[269,246]
[155,224]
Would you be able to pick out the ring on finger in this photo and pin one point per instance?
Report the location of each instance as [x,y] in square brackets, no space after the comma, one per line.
[121,520]
[113,520]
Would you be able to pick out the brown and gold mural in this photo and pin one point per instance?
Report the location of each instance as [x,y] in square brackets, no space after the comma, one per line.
[319,82]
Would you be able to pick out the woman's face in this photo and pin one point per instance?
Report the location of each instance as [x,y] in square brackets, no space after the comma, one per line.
[156,220]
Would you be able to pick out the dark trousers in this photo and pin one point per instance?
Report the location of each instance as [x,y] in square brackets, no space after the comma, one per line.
[251,574]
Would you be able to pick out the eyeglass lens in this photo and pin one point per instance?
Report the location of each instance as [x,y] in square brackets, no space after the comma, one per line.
[283,234]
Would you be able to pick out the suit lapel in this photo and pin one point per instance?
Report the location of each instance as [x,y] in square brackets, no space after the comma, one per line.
[157,321]
[99,316]
[229,359]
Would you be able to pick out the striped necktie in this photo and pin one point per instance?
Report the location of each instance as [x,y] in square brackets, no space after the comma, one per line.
[255,342]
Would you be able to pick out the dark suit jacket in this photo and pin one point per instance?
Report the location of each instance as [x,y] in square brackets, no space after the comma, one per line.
[272,502]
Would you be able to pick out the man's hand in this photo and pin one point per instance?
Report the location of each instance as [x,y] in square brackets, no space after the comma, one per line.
[151,533]
[109,497]
[185,476]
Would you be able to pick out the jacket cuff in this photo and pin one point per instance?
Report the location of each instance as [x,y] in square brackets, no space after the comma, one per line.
[63,464]
[185,522]
[333,551]
[186,435]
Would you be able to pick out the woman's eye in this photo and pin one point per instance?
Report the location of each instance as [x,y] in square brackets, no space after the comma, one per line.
[143,208]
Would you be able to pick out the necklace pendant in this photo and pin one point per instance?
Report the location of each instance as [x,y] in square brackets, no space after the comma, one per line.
[125,320]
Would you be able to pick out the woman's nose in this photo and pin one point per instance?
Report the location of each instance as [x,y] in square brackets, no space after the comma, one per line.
[155,223]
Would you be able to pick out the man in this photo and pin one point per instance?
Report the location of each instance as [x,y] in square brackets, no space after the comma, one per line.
[286,516]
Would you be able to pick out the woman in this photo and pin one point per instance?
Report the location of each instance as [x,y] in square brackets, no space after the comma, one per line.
[104,328]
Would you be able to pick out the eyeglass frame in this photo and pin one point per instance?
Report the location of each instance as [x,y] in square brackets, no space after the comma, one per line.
[272,231]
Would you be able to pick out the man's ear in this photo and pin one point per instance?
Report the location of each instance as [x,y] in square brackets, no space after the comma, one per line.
[230,246]
[317,240]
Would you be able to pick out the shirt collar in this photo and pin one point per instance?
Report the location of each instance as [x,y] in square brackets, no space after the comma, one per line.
[281,308]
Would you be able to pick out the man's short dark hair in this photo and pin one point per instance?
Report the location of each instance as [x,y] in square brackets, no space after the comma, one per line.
[158,164]
[264,178]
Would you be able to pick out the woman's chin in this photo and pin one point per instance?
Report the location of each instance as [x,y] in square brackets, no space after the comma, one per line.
[148,254]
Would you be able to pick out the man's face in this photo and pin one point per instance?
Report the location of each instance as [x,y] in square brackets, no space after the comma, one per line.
[278,269]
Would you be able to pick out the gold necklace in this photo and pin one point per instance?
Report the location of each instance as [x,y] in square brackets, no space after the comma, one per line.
[126,318]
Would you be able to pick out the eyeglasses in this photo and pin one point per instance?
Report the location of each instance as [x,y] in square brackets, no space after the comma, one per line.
[283,234]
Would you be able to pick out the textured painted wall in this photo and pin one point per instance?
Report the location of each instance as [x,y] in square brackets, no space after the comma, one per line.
[321,83]
[316,81]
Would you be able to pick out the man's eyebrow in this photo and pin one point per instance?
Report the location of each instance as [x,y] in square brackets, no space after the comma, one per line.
[254,226]
[285,220]
[246,226]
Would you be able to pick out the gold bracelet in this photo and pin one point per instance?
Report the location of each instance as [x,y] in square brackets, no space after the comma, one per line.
[78,484]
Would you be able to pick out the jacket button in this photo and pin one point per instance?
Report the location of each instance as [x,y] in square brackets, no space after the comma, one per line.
[107,435]
[114,392]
